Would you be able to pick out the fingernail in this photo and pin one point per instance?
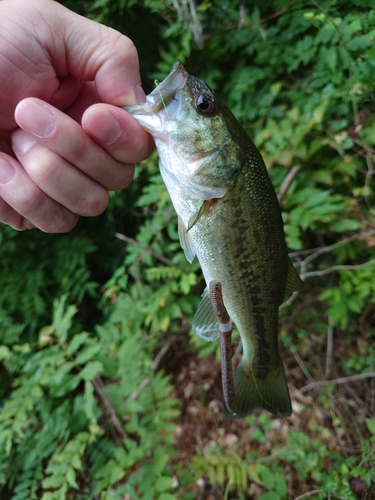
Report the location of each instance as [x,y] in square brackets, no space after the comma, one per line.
[7,170]
[110,129]
[22,141]
[35,118]
[140,95]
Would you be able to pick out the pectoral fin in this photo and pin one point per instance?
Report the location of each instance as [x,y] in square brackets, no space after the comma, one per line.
[195,218]
[293,281]
[185,241]
[205,324]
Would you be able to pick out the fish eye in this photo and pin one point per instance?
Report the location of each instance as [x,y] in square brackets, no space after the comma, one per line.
[205,104]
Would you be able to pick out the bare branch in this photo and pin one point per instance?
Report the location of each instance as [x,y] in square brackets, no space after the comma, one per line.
[141,386]
[196,25]
[330,331]
[337,381]
[315,252]
[109,409]
[187,12]
[290,301]
[316,492]
[149,250]
[369,174]
[332,269]
[160,355]
[263,20]
[287,182]
[302,364]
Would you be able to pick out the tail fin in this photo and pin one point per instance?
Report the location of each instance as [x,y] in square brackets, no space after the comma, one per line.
[251,392]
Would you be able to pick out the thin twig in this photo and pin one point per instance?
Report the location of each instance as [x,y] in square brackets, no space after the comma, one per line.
[344,440]
[330,331]
[332,269]
[315,492]
[263,20]
[196,25]
[149,250]
[290,301]
[141,386]
[315,252]
[337,381]
[287,182]
[107,403]
[302,365]
[160,355]
[369,174]
[334,246]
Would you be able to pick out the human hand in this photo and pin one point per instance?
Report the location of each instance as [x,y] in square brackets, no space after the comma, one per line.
[58,69]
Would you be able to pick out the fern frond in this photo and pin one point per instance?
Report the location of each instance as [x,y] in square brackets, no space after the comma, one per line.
[221,468]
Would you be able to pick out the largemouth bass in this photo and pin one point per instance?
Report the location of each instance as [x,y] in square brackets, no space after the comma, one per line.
[229,217]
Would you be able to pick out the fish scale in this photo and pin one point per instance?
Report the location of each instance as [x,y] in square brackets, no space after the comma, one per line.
[230,219]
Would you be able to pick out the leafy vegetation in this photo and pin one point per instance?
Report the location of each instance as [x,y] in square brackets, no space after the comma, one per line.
[104,392]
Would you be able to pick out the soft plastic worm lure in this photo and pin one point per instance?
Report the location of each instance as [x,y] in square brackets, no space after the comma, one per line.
[225,327]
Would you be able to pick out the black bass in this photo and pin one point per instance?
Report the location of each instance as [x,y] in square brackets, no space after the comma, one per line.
[229,217]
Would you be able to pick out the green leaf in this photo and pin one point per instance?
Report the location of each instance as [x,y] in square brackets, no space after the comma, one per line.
[91,370]
[270,495]
[268,478]
[343,225]
[167,496]
[163,483]
[258,435]
[370,425]
[76,342]
[87,353]
[71,478]
[5,352]
[62,318]
[281,486]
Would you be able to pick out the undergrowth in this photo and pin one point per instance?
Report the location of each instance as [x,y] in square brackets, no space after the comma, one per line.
[89,319]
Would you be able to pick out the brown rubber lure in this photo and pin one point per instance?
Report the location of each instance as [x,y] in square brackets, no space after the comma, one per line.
[225,327]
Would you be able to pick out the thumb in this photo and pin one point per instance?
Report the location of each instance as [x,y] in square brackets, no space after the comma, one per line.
[94,52]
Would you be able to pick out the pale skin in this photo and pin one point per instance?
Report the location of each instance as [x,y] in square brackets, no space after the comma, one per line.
[64,141]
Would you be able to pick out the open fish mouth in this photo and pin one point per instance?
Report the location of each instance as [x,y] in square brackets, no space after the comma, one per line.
[161,96]
[165,91]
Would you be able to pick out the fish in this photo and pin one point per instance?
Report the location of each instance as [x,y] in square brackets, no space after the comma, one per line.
[229,218]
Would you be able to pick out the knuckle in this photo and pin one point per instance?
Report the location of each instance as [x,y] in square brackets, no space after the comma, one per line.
[44,168]
[126,46]
[124,176]
[94,202]
[50,217]
[31,201]
[9,216]
[60,222]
